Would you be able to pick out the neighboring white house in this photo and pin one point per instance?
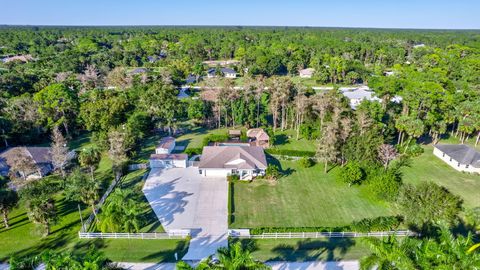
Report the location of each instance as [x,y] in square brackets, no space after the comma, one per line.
[357,95]
[306,73]
[459,156]
[226,72]
[168,160]
[221,161]
[166,145]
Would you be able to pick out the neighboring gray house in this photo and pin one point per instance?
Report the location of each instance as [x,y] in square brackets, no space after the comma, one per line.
[461,157]
[226,72]
[41,159]
[221,161]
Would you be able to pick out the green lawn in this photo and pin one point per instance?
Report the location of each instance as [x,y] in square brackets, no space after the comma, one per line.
[428,167]
[137,250]
[194,138]
[304,197]
[333,249]
[287,140]
[23,238]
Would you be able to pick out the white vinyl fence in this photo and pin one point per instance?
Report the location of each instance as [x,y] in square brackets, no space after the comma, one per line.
[300,235]
[175,235]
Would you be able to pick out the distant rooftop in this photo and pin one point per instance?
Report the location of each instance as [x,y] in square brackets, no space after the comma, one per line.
[461,153]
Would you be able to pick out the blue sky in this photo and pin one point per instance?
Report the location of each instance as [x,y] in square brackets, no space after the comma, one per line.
[444,14]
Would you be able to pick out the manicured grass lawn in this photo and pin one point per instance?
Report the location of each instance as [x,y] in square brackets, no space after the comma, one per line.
[133,181]
[428,167]
[24,238]
[333,249]
[137,250]
[287,140]
[194,138]
[304,197]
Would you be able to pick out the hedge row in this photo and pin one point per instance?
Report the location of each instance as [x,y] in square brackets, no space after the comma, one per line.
[365,225]
[377,224]
[193,151]
[287,152]
[230,203]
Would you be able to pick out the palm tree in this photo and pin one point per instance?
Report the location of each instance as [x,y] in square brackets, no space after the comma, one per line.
[90,157]
[8,201]
[122,213]
[387,254]
[235,257]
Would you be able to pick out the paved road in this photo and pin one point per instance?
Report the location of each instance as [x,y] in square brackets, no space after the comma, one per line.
[183,199]
[312,265]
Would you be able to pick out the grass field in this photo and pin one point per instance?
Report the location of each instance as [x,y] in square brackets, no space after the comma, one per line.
[24,238]
[304,197]
[288,140]
[428,167]
[333,249]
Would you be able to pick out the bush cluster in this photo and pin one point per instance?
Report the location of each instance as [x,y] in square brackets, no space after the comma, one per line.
[306,162]
[214,138]
[193,151]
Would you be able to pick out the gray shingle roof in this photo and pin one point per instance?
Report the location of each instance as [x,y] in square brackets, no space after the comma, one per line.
[229,156]
[461,153]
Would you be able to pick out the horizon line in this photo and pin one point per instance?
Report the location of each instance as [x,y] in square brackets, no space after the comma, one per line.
[233,25]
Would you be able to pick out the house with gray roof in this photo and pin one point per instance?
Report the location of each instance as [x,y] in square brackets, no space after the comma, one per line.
[226,72]
[461,157]
[247,162]
[40,159]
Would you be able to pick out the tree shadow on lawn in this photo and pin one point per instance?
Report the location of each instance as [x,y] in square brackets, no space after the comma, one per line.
[57,240]
[283,171]
[312,250]
[281,139]
[169,255]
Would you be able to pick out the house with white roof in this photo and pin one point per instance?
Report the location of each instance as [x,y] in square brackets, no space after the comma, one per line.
[164,158]
[306,73]
[357,95]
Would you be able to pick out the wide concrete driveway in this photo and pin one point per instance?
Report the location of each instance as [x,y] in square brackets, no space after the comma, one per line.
[183,199]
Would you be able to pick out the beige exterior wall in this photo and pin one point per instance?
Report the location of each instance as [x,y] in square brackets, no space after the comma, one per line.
[453,163]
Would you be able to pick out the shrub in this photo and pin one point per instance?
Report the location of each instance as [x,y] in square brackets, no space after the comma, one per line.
[233,178]
[272,172]
[306,162]
[287,152]
[387,223]
[215,138]
[193,151]
[351,173]
[385,185]
[415,150]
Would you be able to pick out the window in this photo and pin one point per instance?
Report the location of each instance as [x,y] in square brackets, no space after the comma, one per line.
[466,166]
[199,171]
[443,155]
[458,164]
[450,159]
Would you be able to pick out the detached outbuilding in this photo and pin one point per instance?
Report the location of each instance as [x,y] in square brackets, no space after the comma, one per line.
[459,156]
[163,157]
